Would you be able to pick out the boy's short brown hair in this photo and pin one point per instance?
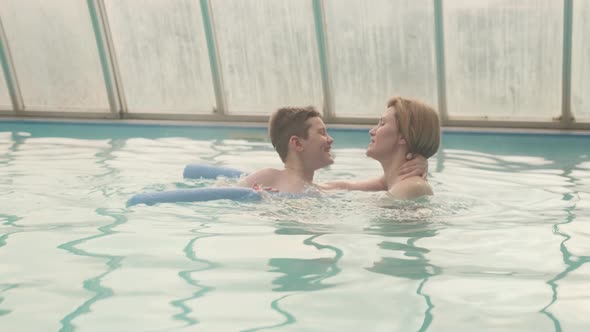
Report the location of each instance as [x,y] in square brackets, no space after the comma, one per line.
[287,122]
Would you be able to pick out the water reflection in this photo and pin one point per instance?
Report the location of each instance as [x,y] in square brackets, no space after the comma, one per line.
[94,284]
[304,274]
[5,288]
[417,266]
[10,221]
[10,143]
[189,252]
[572,262]
[300,275]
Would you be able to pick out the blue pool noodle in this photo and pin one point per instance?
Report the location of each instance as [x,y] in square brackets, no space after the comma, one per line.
[199,171]
[196,195]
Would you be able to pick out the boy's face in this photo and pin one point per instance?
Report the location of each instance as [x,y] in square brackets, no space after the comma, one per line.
[316,148]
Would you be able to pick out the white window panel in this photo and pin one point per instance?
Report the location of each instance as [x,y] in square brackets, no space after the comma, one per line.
[581,61]
[268,52]
[380,49]
[504,58]
[162,55]
[55,54]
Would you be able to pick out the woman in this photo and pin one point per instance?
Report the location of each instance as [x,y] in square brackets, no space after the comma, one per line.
[407,126]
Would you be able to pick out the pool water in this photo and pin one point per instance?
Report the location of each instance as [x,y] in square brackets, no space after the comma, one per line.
[504,244]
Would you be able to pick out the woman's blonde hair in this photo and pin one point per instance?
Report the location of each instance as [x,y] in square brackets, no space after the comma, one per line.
[419,125]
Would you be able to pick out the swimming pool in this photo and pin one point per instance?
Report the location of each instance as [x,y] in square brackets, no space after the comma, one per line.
[503,246]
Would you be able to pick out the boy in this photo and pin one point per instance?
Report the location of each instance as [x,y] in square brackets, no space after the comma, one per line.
[300,138]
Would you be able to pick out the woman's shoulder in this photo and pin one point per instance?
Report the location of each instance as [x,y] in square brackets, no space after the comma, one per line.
[411,188]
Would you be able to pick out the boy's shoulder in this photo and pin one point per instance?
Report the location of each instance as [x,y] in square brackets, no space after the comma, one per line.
[266,172]
[264,177]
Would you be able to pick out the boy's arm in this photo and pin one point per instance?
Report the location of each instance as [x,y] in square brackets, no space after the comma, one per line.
[376,184]
[416,165]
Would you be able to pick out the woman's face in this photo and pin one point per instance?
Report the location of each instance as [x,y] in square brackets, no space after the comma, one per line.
[385,136]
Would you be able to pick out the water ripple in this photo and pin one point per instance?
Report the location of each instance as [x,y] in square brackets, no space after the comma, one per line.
[94,284]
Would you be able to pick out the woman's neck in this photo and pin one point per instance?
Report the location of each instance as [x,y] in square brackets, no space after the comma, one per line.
[391,167]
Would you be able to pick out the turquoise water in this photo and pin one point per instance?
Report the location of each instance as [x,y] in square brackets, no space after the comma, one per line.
[503,246]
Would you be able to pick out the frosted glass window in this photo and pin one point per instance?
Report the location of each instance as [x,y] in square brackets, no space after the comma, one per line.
[504,58]
[268,53]
[162,55]
[379,49]
[5,102]
[581,61]
[55,54]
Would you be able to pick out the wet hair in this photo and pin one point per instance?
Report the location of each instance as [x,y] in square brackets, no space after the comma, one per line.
[287,122]
[419,125]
